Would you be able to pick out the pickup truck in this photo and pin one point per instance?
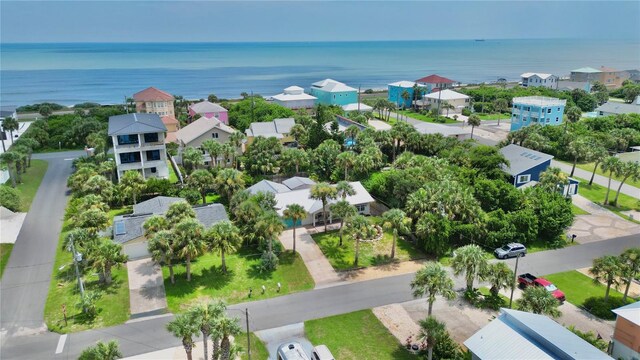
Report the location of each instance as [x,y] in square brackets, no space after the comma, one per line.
[527,279]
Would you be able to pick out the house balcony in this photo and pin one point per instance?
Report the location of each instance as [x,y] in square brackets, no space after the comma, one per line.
[154,163]
[130,166]
[127,146]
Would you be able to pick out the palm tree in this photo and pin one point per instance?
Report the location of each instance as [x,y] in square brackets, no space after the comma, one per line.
[610,164]
[189,235]
[552,178]
[473,120]
[293,158]
[499,275]
[447,106]
[500,105]
[573,114]
[224,237]
[227,327]
[606,268]
[298,132]
[346,160]
[400,132]
[179,211]
[324,192]
[10,124]
[597,155]
[200,180]
[98,185]
[228,181]
[104,257]
[630,266]
[344,189]
[397,221]
[432,280]
[228,153]
[183,327]
[471,261]
[154,224]
[342,210]
[269,226]
[10,159]
[133,184]
[296,213]
[213,148]
[627,170]
[93,220]
[102,351]
[360,228]
[106,169]
[205,316]
[192,158]
[578,149]
[432,331]
[538,300]
[405,97]
[162,247]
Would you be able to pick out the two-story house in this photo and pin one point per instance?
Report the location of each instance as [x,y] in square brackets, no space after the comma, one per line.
[138,144]
[396,89]
[530,110]
[154,101]
[539,80]
[201,130]
[613,78]
[209,110]
[331,92]
[435,82]
[585,74]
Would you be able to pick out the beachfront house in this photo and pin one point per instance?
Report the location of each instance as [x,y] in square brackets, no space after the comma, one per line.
[568,85]
[530,110]
[297,190]
[209,110]
[278,128]
[613,78]
[8,111]
[457,101]
[414,91]
[549,81]
[585,74]
[522,335]
[295,98]
[435,82]
[154,101]
[138,144]
[128,229]
[196,133]
[626,334]
[332,92]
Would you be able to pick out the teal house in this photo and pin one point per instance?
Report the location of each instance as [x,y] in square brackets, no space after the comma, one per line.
[396,90]
[331,92]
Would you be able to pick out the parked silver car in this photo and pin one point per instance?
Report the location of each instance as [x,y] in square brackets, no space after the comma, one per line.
[510,250]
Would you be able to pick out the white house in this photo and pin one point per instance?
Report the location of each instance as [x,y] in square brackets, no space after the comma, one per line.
[445,130]
[539,79]
[457,100]
[294,97]
[138,144]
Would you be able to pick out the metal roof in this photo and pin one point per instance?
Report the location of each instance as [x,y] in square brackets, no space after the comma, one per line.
[276,128]
[630,312]
[302,197]
[405,84]
[446,130]
[586,70]
[136,123]
[331,85]
[540,75]
[522,335]
[298,182]
[446,95]
[522,159]
[538,101]
[267,186]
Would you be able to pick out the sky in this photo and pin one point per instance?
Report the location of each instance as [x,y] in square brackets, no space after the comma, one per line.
[265,21]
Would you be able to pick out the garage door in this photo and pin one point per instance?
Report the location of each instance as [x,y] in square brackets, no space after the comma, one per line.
[136,250]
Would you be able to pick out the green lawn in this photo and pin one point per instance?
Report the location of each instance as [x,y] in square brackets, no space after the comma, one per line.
[5,252]
[113,304]
[589,167]
[425,118]
[207,280]
[494,116]
[211,198]
[596,193]
[357,335]
[371,253]
[577,211]
[258,350]
[173,177]
[30,182]
[578,287]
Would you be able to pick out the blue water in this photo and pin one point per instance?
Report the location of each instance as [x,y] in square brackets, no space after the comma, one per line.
[106,73]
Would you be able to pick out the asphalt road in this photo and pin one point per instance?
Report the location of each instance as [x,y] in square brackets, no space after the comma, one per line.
[25,283]
[599,179]
[147,335]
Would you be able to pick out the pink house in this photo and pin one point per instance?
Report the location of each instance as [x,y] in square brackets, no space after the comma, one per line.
[209,110]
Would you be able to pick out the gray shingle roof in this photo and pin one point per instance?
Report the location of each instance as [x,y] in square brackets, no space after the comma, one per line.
[135,124]
[619,108]
[522,159]
[297,183]
[157,205]
[276,128]
[267,186]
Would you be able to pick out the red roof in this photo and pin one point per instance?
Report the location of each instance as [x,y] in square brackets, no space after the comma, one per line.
[168,119]
[152,94]
[435,79]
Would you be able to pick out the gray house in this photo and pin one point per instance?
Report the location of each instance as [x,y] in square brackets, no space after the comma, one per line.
[128,229]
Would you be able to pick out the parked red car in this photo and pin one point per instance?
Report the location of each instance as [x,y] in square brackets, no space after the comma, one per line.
[527,279]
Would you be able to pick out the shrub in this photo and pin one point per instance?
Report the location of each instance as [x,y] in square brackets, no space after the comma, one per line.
[368,91]
[591,338]
[268,261]
[601,308]
[192,196]
[10,198]
[472,296]
[493,302]
[466,112]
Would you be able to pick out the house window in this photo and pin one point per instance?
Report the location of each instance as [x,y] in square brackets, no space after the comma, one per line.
[128,158]
[556,119]
[154,170]
[153,155]
[361,207]
[524,179]
[151,137]
[549,111]
[214,135]
[127,139]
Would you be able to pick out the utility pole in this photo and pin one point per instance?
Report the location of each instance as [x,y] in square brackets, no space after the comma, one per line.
[515,277]
[252,120]
[76,257]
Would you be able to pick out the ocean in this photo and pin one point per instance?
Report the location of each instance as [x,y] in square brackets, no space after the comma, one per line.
[71,73]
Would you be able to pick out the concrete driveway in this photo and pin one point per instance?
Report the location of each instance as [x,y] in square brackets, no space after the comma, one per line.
[275,337]
[146,288]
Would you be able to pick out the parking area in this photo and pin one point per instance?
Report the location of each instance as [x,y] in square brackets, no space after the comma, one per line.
[146,288]
[273,338]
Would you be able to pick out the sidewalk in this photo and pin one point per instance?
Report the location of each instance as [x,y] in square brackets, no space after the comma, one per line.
[598,179]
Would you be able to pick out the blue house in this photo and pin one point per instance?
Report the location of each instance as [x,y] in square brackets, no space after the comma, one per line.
[540,110]
[526,165]
[397,88]
[331,92]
